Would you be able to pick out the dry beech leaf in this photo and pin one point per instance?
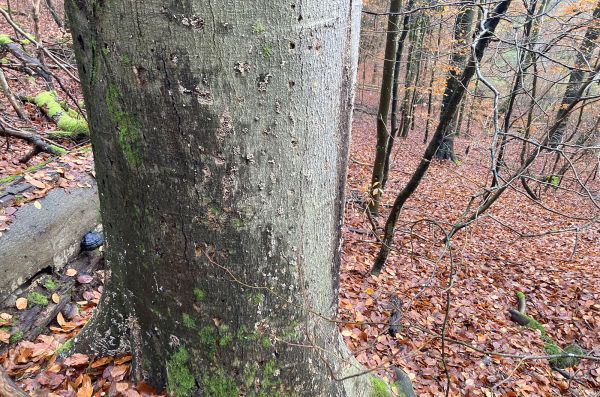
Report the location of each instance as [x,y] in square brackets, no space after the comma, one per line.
[34,182]
[122,360]
[60,319]
[118,371]
[37,205]
[6,316]
[76,360]
[55,298]
[131,393]
[86,389]
[4,336]
[84,279]
[21,303]
[101,362]
[122,386]
[71,272]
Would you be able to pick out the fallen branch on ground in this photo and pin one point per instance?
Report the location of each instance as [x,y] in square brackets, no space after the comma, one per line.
[39,145]
[570,352]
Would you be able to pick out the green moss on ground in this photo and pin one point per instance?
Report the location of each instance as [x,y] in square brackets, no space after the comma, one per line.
[5,39]
[16,337]
[258,28]
[9,178]
[65,348]
[551,348]
[50,284]
[180,381]
[37,298]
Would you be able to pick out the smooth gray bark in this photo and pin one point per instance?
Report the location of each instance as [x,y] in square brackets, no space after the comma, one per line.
[220,134]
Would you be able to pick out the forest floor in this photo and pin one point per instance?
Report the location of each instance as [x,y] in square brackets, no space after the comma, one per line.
[508,250]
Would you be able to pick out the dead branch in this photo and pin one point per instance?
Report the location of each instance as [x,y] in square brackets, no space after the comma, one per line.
[39,145]
[11,98]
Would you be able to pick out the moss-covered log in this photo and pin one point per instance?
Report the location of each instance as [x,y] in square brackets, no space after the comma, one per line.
[70,124]
[569,353]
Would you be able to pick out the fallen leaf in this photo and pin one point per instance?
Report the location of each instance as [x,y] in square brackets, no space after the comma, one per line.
[76,360]
[101,362]
[84,279]
[86,388]
[4,336]
[36,183]
[119,371]
[71,272]
[55,298]
[37,204]
[21,303]
[60,319]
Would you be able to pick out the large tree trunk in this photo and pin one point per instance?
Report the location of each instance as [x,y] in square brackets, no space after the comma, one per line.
[220,135]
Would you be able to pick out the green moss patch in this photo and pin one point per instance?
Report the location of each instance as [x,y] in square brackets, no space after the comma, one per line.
[379,388]
[16,337]
[219,385]
[188,321]
[129,135]
[5,39]
[65,348]
[180,381]
[37,299]
[199,294]
[50,284]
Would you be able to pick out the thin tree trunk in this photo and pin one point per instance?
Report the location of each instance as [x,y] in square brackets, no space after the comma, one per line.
[59,21]
[394,116]
[11,98]
[472,109]
[408,79]
[383,134]
[221,174]
[577,75]
[481,42]
[516,90]
[462,31]
[431,81]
